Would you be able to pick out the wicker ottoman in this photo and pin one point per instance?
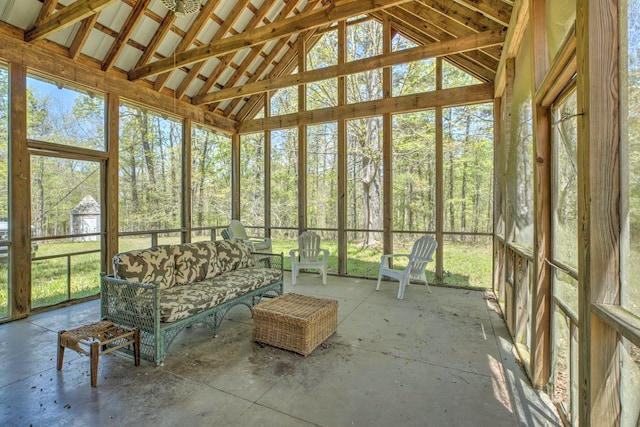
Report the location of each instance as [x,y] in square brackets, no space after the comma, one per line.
[295,322]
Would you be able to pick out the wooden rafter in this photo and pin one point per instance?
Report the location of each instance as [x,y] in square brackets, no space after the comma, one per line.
[157,38]
[442,26]
[312,19]
[125,33]
[285,66]
[190,37]
[459,60]
[457,20]
[82,35]
[222,31]
[48,6]
[437,34]
[449,47]
[497,10]
[255,51]
[66,17]
[259,73]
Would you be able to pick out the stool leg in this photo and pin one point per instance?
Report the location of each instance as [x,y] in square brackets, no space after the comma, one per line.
[136,346]
[60,350]
[95,352]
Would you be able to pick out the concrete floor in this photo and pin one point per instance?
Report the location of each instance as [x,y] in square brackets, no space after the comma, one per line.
[439,359]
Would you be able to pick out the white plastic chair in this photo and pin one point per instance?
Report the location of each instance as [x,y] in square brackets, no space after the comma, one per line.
[256,244]
[307,255]
[420,256]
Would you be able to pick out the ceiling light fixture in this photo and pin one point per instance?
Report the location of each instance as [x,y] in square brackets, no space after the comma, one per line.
[182,7]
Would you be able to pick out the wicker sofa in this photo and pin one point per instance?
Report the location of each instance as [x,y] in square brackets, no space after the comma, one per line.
[166,288]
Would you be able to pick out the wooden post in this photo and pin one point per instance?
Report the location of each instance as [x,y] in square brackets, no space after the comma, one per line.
[387,150]
[110,196]
[20,195]
[439,182]
[302,139]
[598,208]
[267,171]
[342,155]
[235,176]
[186,180]
[540,360]
[498,209]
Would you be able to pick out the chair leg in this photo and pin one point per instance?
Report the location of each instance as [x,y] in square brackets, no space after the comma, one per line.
[294,273]
[324,275]
[401,285]
[379,278]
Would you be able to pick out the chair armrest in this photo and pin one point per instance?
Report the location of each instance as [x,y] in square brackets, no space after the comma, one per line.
[325,253]
[292,252]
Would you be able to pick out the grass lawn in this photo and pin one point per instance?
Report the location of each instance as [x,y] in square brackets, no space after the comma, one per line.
[465,264]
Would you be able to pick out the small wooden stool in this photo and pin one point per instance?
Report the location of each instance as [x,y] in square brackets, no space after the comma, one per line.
[97,337]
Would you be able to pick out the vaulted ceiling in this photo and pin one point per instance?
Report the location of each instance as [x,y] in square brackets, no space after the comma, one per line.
[246,45]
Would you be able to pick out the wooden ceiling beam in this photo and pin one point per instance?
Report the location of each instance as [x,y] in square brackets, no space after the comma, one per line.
[496,10]
[190,36]
[156,40]
[253,54]
[436,34]
[125,34]
[449,47]
[82,35]
[285,66]
[462,61]
[213,77]
[48,6]
[311,38]
[66,17]
[258,74]
[308,20]
[401,104]
[438,21]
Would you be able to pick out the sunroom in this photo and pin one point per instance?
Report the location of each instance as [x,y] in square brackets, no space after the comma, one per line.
[504,129]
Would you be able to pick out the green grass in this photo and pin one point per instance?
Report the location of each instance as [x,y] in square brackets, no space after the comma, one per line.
[465,264]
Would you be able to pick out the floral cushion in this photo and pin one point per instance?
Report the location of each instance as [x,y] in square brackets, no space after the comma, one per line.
[184,301]
[233,254]
[195,262]
[154,265]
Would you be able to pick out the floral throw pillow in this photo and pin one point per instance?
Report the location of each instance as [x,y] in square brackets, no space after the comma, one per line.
[233,254]
[153,265]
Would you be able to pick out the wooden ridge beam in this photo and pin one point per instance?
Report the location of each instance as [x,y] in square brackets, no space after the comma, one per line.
[67,16]
[487,38]
[304,21]
[125,34]
[401,104]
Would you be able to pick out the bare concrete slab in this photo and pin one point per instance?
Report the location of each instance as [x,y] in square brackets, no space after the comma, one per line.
[432,359]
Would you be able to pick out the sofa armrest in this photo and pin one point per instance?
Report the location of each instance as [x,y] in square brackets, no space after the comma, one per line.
[269,260]
[130,303]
